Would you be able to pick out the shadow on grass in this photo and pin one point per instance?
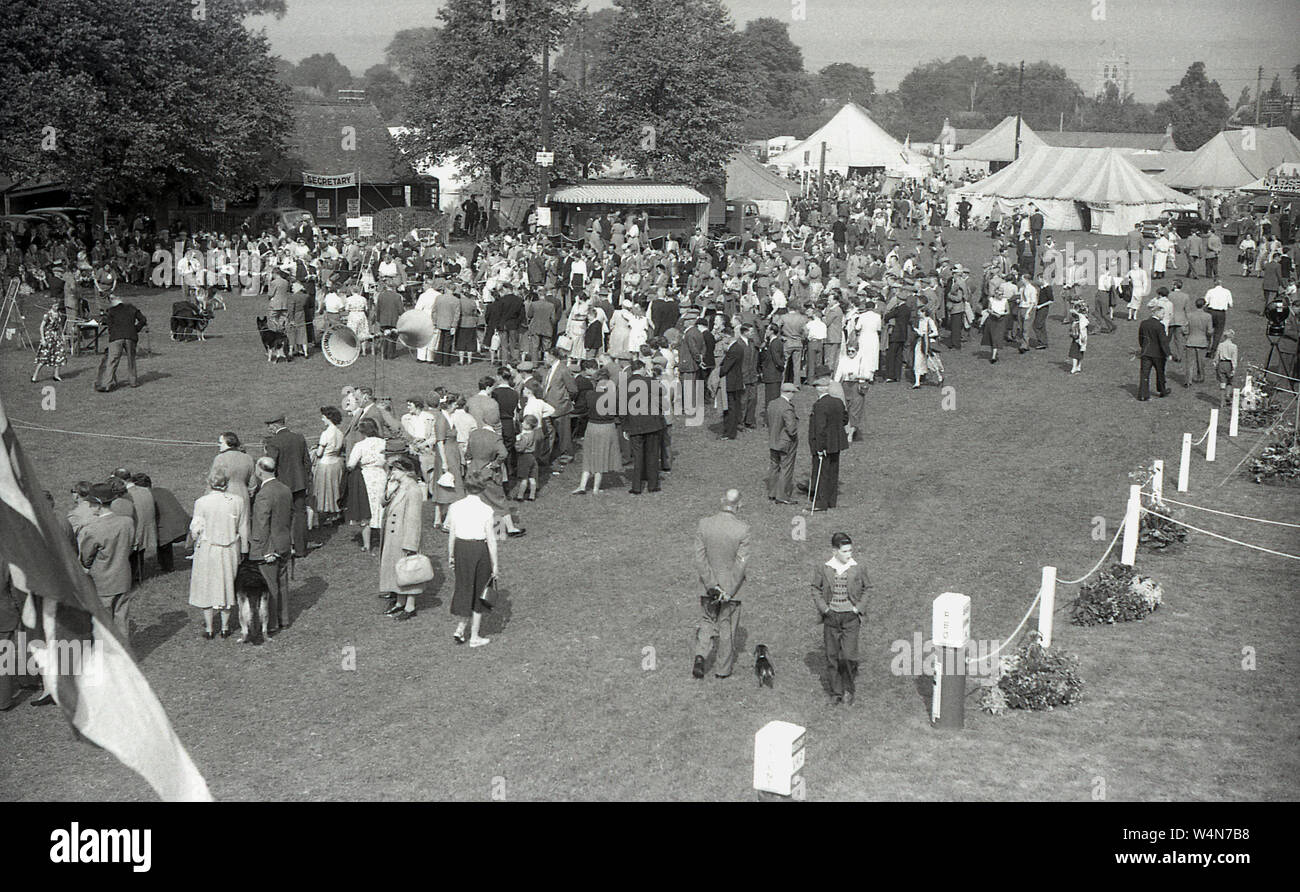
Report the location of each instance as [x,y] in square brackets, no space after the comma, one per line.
[304,595]
[499,616]
[147,640]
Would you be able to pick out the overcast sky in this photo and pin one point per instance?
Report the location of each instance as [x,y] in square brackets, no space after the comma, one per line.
[1160,37]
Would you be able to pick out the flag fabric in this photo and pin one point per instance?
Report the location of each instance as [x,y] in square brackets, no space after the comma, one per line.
[106,699]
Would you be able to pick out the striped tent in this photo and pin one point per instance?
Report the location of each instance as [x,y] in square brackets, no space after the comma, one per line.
[1097,190]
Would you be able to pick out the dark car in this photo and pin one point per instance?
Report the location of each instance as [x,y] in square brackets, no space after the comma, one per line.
[1184,223]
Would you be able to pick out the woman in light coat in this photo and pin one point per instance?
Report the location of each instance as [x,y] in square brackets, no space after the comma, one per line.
[218,531]
[403,521]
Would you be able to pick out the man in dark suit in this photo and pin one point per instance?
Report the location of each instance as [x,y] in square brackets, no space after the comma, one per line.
[731,374]
[721,552]
[507,398]
[1153,344]
[511,321]
[902,318]
[826,440]
[691,351]
[388,307]
[771,364]
[644,425]
[289,452]
[749,336]
[782,445]
[663,313]
[270,539]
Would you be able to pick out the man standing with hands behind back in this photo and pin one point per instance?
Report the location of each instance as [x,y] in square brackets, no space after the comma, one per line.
[270,539]
[783,444]
[721,552]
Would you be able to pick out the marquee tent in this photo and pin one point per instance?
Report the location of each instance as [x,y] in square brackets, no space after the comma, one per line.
[1097,190]
[1234,158]
[747,180]
[999,144]
[854,142]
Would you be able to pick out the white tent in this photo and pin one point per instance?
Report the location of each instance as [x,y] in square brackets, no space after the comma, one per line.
[1233,158]
[853,141]
[999,144]
[1098,190]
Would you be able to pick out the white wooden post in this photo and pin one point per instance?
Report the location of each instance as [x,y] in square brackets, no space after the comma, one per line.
[1185,463]
[1047,605]
[1236,410]
[1132,517]
[1212,443]
[1158,479]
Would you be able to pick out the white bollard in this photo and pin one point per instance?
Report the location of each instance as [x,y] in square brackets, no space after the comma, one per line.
[778,756]
[1185,463]
[1212,443]
[1047,605]
[1236,410]
[1158,479]
[1132,517]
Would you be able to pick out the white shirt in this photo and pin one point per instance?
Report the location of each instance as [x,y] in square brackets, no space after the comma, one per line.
[1218,298]
[815,330]
[470,518]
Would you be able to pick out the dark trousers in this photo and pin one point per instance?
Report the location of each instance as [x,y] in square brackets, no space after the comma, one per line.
[894,360]
[1149,363]
[137,566]
[1211,267]
[1039,338]
[827,484]
[276,575]
[538,344]
[646,451]
[840,635]
[1103,314]
[731,417]
[108,365]
[510,345]
[750,416]
[388,343]
[446,354]
[771,390]
[780,474]
[956,322]
[299,520]
[666,448]
[1219,320]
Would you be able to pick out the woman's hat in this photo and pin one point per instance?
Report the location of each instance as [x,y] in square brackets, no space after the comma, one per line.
[101,493]
[394,446]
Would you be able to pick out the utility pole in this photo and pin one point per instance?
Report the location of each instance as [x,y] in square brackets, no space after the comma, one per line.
[543,170]
[821,177]
[1020,92]
[1259,83]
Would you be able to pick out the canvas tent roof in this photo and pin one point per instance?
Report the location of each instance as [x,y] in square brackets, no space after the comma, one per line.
[626,193]
[852,139]
[1096,175]
[1234,158]
[999,144]
[746,178]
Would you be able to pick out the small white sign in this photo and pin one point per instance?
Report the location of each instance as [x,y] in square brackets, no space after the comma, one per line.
[778,756]
[363,225]
[543,216]
[545,159]
[950,622]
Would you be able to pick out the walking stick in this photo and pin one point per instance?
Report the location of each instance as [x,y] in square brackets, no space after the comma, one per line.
[812,490]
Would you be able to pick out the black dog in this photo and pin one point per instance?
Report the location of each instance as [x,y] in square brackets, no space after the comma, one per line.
[763,670]
[250,591]
[276,343]
[189,321]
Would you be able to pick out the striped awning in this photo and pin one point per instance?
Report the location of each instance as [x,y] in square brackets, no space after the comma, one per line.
[627,193]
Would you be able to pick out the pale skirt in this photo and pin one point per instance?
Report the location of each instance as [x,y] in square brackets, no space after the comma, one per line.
[212,575]
[326,483]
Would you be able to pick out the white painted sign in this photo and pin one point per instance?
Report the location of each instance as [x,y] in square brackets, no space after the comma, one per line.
[778,756]
[950,622]
[545,159]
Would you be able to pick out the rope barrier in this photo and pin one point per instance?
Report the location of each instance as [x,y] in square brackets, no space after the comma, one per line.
[1275,374]
[1204,436]
[1001,646]
[1294,557]
[1102,560]
[54,430]
[1230,514]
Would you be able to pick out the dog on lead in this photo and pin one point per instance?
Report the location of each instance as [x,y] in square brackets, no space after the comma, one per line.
[251,594]
[276,343]
[763,669]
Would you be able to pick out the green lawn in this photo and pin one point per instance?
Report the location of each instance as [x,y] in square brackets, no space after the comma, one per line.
[973,500]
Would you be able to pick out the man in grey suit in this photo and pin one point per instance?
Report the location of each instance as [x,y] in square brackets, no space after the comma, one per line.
[783,445]
[541,325]
[749,366]
[721,552]
[559,388]
[270,539]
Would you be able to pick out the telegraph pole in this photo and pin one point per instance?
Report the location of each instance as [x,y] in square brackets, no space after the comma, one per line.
[1020,92]
[1259,83]
[543,174]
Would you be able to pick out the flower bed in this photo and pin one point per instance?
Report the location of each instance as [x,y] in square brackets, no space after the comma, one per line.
[1260,406]
[1033,677]
[1157,533]
[1279,463]
[1119,595]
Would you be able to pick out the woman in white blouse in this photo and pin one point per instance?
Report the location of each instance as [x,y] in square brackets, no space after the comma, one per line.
[368,455]
[472,554]
[925,329]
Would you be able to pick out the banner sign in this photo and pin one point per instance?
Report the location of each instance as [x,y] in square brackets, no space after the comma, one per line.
[329,181]
[363,225]
[1284,178]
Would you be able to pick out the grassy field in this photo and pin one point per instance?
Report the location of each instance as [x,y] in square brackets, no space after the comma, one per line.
[585,692]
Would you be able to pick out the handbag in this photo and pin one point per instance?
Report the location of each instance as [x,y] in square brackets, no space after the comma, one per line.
[446,480]
[413,569]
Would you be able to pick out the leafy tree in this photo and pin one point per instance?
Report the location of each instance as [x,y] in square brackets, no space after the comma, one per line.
[324,73]
[199,111]
[932,91]
[385,90]
[585,47]
[1112,112]
[843,82]
[475,91]
[406,47]
[1196,106]
[1048,92]
[778,86]
[670,87]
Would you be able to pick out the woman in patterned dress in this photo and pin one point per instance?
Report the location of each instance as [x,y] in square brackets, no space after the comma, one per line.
[52,350]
